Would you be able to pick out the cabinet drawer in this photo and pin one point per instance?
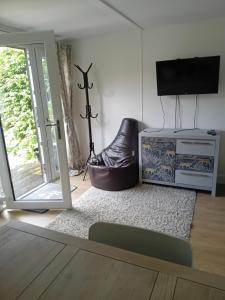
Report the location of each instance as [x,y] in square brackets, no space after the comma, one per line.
[197,163]
[195,147]
[197,179]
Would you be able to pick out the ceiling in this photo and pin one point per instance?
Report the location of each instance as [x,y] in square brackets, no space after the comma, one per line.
[78,18]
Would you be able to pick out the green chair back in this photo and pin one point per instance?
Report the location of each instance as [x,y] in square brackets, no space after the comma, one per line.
[143,241]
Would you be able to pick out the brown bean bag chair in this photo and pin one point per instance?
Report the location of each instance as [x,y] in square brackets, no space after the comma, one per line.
[116,167]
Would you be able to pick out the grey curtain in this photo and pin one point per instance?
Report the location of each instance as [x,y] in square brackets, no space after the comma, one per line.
[75,160]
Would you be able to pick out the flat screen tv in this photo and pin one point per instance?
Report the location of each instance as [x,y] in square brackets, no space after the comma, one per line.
[199,75]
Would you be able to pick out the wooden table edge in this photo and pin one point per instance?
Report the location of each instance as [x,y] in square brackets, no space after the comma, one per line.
[202,277]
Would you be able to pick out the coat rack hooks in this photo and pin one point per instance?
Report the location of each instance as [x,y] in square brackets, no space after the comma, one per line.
[88,114]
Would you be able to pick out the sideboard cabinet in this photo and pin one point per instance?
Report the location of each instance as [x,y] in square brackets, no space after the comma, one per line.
[185,159]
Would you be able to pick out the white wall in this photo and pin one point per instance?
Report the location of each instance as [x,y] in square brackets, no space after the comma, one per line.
[181,41]
[117,78]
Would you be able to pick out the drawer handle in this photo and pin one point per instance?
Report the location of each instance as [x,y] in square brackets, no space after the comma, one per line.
[197,143]
[195,174]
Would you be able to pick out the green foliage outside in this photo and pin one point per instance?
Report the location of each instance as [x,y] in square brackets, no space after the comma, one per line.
[16,105]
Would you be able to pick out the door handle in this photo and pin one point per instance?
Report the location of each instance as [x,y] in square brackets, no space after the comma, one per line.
[57,125]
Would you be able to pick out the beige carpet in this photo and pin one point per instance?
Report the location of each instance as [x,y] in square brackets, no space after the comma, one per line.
[159,208]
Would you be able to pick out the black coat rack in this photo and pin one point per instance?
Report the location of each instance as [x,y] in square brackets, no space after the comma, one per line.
[88,114]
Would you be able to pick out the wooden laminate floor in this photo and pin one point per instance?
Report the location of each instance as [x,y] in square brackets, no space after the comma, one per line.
[207,235]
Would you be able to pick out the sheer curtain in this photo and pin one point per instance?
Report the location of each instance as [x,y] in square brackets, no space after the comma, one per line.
[75,160]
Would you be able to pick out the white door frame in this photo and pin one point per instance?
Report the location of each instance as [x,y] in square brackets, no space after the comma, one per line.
[46,38]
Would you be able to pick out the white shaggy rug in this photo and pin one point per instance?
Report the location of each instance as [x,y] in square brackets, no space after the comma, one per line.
[158,208]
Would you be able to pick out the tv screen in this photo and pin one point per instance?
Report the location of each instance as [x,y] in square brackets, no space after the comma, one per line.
[198,75]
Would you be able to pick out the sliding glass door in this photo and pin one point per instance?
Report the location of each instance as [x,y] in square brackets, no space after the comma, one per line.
[33,165]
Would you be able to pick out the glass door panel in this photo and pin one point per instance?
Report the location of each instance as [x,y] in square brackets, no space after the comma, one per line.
[18,122]
[52,128]
[32,140]
[48,109]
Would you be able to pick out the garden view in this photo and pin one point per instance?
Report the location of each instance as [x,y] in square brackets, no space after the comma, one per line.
[18,120]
